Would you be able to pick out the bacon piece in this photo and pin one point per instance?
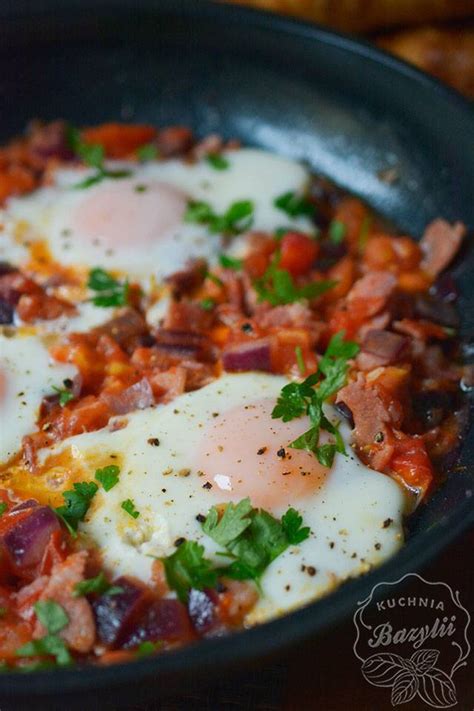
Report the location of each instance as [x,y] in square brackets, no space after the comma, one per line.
[174,141]
[187,316]
[79,634]
[136,397]
[381,348]
[371,293]
[374,414]
[126,329]
[440,244]
[210,145]
[31,307]
[168,385]
[254,355]
[188,279]
[50,141]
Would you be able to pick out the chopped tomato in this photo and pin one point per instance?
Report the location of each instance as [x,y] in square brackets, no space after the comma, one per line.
[412,464]
[119,140]
[298,253]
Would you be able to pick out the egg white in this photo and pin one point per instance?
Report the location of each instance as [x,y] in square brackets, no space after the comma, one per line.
[27,374]
[346,512]
[252,175]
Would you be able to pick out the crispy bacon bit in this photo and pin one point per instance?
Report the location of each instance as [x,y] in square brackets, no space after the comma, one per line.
[371,293]
[440,244]
[49,141]
[79,634]
[188,279]
[174,141]
[136,397]
[211,145]
[187,316]
[32,307]
[381,348]
[126,329]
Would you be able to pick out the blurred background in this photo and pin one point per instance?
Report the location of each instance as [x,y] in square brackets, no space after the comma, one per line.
[435,35]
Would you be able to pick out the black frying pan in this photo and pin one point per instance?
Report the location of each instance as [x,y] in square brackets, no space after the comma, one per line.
[346,108]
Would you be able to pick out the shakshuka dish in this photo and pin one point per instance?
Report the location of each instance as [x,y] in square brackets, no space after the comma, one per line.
[224,385]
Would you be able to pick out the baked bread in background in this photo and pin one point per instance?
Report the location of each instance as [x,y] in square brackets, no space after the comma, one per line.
[446,52]
[368,15]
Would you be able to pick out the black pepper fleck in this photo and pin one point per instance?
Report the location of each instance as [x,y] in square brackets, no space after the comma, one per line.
[154,441]
[311,570]
[387,522]
[378,546]
[262,450]
[379,437]
[247,327]
[179,542]
[281,453]
[200,518]
[207,485]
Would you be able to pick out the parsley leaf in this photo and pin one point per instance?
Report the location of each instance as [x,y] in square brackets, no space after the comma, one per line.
[51,615]
[277,286]
[146,648]
[217,161]
[3,507]
[77,504]
[65,394]
[147,152]
[110,291]
[236,219]
[108,476]
[50,645]
[307,398]
[207,304]
[294,205]
[99,585]
[291,523]
[187,568]
[129,507]
[337,231]
[228,262]
[234,521]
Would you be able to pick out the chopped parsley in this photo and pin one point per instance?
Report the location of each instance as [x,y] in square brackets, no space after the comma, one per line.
[65,394]
[98,585]
[307,398]
[108,476]
[229,262]
[129,507]
[278,287]
[145,649]
[93,155]
[110,291]
[77,502]
[252,539]
[187,568]
[3,507]
[54,618]
[207,304]
[300,360]
[238,218]
[364,232]
[217,161]
[294,205]
[337,231]
[147,152]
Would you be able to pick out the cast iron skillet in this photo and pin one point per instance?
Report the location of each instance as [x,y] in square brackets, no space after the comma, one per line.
[346,108]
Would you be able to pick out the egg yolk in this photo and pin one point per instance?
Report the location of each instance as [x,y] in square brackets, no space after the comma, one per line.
[128,214]
[245,452]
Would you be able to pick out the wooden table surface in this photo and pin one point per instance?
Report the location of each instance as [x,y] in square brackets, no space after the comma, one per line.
[325,675]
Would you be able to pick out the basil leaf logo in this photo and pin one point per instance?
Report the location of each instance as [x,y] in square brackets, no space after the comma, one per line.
[424,660]
[437,689]
[382,669]
[404,688]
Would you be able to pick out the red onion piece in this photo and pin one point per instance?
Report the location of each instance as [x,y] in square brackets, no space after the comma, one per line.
[117,615]
[26,540]
[166,620]
[255,355]
[136,397]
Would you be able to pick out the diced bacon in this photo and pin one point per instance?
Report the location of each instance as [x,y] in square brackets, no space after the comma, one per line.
[168,385]
[79,634]
[188,279]
[210,145]
[136,397]
[174,141]
[380,321]
[39,305]
[440,244]
[374,414]
[381,348]
[371,293]
[125,329]
[421,329]
[187,316]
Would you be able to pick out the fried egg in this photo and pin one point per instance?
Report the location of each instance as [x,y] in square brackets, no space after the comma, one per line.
[220,444]
[27,374]
[137,225]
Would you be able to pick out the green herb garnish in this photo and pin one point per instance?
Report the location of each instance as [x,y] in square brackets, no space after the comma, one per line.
[98,585]
[300,360]
[65,394]
[3,507]
[307,398]
[337,231]
[147,152]
[294,205]
[129,507]
[228,262]
[187,568]
[110,291]
[54,618]
[217,161]
[77,504]
[92,155]
[108,476]
[278,287]
[145,649]
[238,218]
[207,304]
